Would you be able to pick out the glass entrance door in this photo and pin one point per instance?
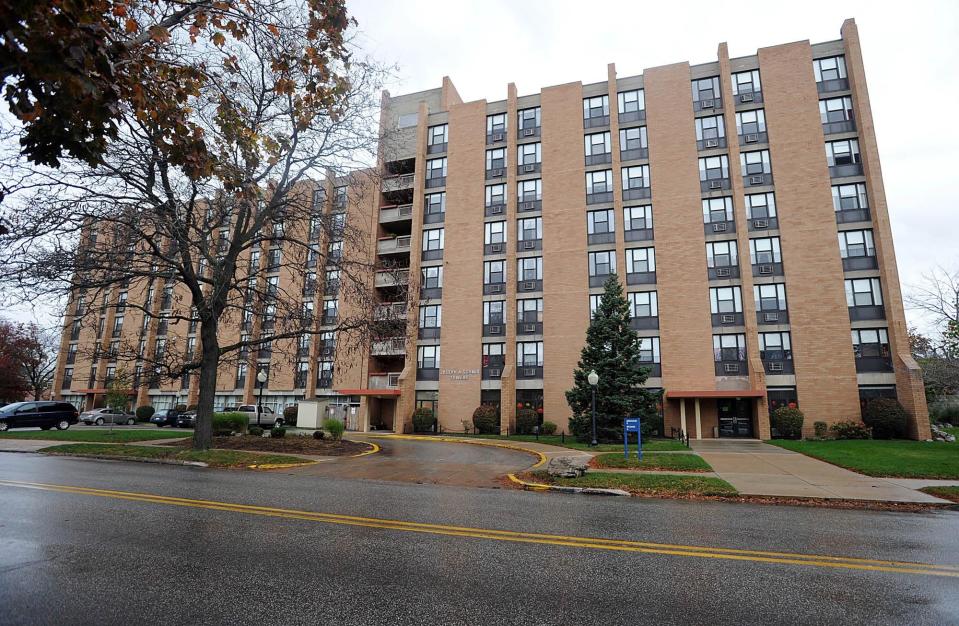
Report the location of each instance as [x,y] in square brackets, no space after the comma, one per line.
[735,417]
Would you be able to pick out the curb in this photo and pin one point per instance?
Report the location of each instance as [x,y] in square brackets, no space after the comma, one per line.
[273,466]
[375,449]
[108,457]
[492,444]
[588,491]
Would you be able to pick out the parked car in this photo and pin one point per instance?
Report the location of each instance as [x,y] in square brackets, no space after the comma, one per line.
[165,417]
[258,416]
[45,414]
[107,416]
[186,420]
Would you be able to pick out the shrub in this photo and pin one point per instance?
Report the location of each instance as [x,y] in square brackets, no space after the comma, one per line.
[278,432]
[423,420]
[228,423]
[192,407]
[289,415]
[886,418]
[319,434]
[256,431]
[850,430]
[486,419]
[946,412]
[145,412]
[548,428]
[335,427]
[526,421]
[788,422]
[180,408]
[821,428]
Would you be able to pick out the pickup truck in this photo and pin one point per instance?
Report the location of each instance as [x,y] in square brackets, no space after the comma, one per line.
[257,415]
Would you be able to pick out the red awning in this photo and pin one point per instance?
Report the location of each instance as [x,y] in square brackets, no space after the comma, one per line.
[715,393]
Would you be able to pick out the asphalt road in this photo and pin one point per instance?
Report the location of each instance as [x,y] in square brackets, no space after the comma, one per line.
[85,556]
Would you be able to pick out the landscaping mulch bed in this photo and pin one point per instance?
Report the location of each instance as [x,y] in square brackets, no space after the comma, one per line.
[293,444]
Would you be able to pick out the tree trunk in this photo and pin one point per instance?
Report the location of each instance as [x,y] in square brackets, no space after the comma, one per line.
[203,431]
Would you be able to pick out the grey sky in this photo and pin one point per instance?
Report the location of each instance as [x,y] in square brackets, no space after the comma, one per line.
[911,54]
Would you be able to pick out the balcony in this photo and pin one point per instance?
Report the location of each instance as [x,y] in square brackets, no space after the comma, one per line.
[390,380]
[397,183]
[397,213]
[394,311]
[393,245]
[392,278]
[395,346]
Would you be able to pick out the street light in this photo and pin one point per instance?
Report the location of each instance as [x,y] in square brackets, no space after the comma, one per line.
[593,379]
[261,378]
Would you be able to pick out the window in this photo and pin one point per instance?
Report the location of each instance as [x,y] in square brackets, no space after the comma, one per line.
[602,263]
[845,152]
[849,197]
[529,228]
[633,142]
[302,371]
[710,128]
[324,373]
[494,356]
[729,347]
[863,292]
[529,268]
[306,312]
[760,206]
[529,153]
[494,312]
[599,182]
[643,304]
[528,118]
[529,310]
[67,378]
[775,346]
[755,163]
[636,177]
[273,260]
[596,107]
[725,300]
[713,168]
[495,159]
[835,110]
[770,297]
[437,135]
[594,305]
[428,357]
[329,308]
[117,325]
[764,250]
[432,277]
[435,203]
[746,82]
[638,217]
[431,316]
[529,190]
[597,145]
[436,168]
[721,254]
[717,210]
[272,286]
[640,260]
[706,89]
[856,243]
[496,123]
[870,343]
[529,354]
[494,272]
[600,222]
[433,239]
[496,195]
[631,101]
[750,123]
[495,233]
[648,349]
[831,68]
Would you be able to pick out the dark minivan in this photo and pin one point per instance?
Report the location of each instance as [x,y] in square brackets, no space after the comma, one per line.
[43,414]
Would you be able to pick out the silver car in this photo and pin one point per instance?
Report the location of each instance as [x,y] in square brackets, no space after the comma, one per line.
[107,416]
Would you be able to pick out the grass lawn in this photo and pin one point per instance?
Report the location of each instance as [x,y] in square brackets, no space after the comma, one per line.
[894,458]
[653,445]
[952,430]
[214,458]
[119,435]
[948,493]
[653,461]
[652,484]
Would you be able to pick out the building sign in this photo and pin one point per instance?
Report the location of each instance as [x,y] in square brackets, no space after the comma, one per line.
[459,374]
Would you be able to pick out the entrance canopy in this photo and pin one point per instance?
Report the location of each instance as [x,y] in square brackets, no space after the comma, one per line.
[715,393]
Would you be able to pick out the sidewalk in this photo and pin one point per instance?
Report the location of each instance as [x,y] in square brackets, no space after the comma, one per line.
[756,468]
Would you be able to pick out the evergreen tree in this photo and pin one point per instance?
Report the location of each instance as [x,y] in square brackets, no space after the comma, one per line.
[612,349]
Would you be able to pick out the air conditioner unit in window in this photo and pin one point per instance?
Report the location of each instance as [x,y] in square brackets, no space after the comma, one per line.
[530,167]
[529,245]
[529,328]
[731,368]
[496,209]
[497,173]
[757,180]
[497,288]
[499,136]
[771,317]
[746,97]
[529,371]
[529,132]
[723,271]
[761,223]
[765,269]
[728,319]
[327,350]
[719,227]
[775,367]
[495,330]
[529,285]
[715,184]
[706,104]
[711,143]
[495,373]
[496,247]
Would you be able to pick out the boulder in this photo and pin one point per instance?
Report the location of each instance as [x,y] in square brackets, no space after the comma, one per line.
[567,466]
[939,434]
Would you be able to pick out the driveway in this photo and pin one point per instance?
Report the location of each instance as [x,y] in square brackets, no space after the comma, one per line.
[757,468]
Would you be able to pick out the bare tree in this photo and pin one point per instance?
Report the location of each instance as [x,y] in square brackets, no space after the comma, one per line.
[39,358]
[197,235]
[937,297]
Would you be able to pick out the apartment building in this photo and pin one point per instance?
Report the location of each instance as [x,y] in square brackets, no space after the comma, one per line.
[740,201]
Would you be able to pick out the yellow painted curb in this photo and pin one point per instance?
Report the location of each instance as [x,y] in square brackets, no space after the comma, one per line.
[272,466]
[529,486]
[375,449]
[495,443]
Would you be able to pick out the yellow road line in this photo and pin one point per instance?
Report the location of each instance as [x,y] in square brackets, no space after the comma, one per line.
[621,545]
[375,449]
[481,442]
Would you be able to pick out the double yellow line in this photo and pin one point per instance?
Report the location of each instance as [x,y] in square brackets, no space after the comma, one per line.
[595,543]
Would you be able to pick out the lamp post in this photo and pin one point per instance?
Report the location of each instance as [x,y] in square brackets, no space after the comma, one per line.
[260,378]
[593,379]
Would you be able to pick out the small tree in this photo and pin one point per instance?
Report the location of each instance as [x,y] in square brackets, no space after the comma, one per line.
[612,350]
[118,393]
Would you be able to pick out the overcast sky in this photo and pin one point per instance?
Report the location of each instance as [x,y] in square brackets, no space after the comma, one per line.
[911,52]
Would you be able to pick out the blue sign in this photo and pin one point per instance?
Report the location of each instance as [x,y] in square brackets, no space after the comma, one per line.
[632,425]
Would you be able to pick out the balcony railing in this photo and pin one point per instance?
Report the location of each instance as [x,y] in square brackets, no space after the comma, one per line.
[395,346]
[393,245]
[396,213]
[385,381]
[392,278]
[396,310]
[396,183]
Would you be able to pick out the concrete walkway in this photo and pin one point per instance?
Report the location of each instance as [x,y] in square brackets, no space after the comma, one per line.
[757,468]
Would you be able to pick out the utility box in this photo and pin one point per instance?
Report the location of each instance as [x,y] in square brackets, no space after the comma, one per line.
[309,414]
